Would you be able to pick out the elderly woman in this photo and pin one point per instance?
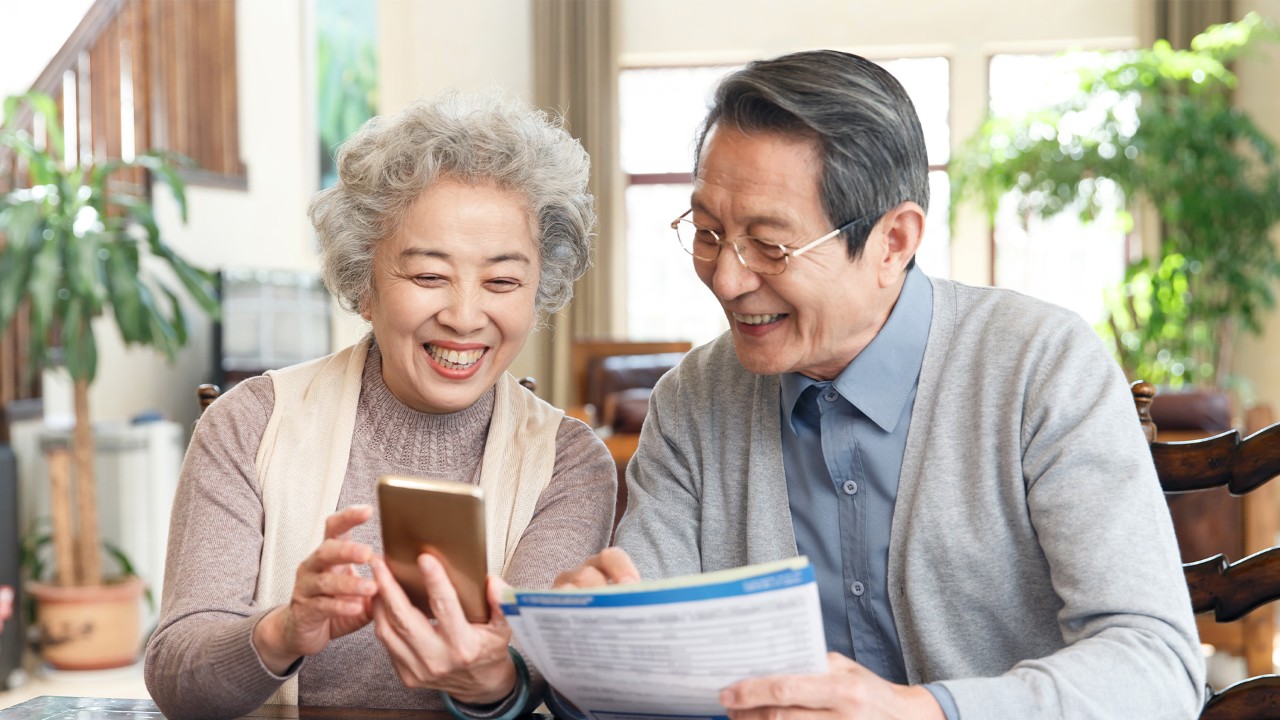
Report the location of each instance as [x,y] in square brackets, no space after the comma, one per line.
[453,225]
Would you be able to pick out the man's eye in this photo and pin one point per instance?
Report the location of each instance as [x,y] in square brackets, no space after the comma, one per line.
[773,251]
[705,237]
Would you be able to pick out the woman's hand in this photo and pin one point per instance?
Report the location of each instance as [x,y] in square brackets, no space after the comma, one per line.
[611,566]
[468,661]
[329,599]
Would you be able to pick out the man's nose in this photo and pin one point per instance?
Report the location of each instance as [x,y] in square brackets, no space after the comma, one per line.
[730,278]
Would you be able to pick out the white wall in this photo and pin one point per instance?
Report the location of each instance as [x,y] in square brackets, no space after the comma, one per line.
[1258,359]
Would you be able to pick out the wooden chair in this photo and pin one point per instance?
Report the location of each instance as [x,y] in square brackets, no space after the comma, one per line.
[1229,589]
[206,394]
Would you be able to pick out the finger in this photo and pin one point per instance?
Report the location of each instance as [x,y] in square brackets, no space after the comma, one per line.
[339,524]
[581,577]
[452,623]
[774,713]
[336,585]
[399,650]
[406,618]
[335,607]
[616,565]
[837,663]
[816,692]
[495,588]
[389,590]
[334,552]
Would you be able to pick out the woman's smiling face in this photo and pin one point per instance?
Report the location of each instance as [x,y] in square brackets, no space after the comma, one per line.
[454,292]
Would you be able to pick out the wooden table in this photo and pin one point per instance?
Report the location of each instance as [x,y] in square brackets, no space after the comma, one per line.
[49,707]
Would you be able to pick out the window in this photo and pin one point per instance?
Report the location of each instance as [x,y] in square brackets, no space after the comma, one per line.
[1059,259]
[660,110]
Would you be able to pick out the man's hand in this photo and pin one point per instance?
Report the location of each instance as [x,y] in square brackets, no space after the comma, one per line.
[848,690]
[467,660]
[329,599]
[611,566]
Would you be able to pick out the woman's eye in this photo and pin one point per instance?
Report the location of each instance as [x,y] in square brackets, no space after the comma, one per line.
[503,284]
[428,280]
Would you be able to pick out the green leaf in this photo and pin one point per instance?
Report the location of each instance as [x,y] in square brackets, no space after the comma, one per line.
[80,350]
[124,290]
[163,164]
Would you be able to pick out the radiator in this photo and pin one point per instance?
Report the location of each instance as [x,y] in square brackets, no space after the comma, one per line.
[136,467]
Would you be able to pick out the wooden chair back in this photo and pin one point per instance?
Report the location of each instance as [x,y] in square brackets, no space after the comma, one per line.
[206,394]
[1229,590]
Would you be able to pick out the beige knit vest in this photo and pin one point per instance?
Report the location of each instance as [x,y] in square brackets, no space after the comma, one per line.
[301,467]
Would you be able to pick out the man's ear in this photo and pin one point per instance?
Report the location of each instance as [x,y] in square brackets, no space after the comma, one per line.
[901,230]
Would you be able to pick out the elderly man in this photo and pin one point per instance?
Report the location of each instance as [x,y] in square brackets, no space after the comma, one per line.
[963,466]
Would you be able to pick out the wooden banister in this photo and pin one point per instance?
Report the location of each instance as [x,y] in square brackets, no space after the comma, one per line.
[142,74]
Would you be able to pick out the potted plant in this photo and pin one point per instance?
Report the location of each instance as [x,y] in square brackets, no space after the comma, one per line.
[75,245]
[1160,125]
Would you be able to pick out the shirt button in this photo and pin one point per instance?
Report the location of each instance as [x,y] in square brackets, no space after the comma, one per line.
[857,588]
[850,487]
[831,395]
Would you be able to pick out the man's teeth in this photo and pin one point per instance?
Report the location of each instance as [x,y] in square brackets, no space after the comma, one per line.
[455,358]
[756,319]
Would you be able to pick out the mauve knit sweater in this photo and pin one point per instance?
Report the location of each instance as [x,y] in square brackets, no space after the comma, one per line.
[200,662]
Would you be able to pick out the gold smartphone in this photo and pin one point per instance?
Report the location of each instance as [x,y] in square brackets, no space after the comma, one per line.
[441,517]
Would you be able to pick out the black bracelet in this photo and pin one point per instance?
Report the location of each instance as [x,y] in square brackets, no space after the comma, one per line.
[522,693]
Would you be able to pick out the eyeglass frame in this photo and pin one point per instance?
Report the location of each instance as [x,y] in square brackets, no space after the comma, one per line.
[787,253]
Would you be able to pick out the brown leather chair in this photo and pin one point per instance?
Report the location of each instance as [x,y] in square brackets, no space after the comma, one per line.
[612,380]
[1230,590]
[206,394]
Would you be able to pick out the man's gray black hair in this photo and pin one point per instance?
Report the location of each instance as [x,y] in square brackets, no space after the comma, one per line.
[866,129]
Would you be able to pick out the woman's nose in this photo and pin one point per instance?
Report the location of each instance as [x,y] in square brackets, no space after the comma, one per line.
[464,313]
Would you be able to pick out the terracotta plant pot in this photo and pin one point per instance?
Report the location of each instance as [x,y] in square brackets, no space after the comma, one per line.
[89,628]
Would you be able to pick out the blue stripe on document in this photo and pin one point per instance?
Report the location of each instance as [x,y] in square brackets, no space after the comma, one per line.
[748,586]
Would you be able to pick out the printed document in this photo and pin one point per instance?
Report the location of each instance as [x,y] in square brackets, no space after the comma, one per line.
[665,649]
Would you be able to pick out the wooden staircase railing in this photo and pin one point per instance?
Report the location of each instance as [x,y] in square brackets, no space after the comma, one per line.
[134,75]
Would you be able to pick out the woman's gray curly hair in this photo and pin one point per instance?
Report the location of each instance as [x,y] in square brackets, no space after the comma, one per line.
[386,166]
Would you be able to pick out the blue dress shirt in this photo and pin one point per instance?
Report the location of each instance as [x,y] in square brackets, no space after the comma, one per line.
[842,447]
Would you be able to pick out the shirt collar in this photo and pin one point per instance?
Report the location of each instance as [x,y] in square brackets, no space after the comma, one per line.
[881,378]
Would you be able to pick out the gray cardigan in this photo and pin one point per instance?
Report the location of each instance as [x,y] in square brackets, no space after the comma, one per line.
[1032,564]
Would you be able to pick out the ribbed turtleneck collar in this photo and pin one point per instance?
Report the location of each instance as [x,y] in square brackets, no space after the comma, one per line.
[449,444]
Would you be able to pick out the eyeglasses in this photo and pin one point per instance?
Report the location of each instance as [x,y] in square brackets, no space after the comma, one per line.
[758,256]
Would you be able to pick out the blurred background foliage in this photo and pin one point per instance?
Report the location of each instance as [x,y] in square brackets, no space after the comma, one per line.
[346,74]
[1159,125]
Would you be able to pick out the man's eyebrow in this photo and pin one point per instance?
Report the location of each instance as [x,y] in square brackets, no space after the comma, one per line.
[772,221]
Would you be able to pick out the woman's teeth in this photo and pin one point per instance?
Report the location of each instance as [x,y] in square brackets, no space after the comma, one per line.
[455,359]
[756,319]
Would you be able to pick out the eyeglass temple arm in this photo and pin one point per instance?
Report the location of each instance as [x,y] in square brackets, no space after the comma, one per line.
[825,238]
